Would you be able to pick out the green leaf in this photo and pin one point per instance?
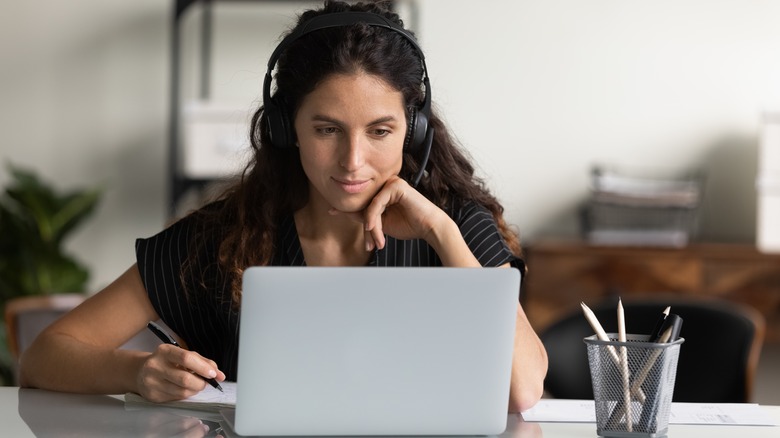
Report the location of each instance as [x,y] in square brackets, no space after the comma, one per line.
[34,221]
[72,210]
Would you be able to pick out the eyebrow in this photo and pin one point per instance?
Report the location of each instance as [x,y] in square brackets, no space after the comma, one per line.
[323,118]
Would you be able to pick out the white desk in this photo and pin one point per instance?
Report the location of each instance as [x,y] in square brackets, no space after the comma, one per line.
[31,412]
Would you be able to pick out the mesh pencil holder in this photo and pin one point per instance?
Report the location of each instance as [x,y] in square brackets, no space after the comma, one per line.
[633,384]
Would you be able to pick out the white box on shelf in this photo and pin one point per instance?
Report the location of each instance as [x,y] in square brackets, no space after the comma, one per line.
[214,139]
[769,150]
[768,215]
[768,185]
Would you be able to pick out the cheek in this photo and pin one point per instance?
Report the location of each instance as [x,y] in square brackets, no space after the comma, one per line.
[313,163]
[397,167]
[390,161]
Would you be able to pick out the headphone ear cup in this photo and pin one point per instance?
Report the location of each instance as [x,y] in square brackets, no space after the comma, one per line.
[415,131]
[420,130]
[279,128]
[411,126]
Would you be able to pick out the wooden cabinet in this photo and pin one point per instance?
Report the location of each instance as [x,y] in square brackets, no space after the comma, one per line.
[563,273]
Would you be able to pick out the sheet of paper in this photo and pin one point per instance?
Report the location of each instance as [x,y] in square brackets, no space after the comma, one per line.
[562,411]
[214,396]
[748,414]
[583,411]
[209,399]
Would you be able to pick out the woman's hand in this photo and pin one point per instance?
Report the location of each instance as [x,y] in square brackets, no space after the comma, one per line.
[400,211]
[173,373]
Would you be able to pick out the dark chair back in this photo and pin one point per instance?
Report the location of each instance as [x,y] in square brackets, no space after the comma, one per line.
[717,361]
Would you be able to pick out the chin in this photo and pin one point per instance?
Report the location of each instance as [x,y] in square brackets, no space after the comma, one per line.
[350,205]
[349,208]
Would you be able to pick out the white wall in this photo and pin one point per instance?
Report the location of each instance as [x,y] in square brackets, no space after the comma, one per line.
[540,90]
[84,88]
[537,90]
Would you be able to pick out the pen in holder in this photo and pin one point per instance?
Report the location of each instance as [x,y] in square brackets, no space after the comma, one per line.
[646,367]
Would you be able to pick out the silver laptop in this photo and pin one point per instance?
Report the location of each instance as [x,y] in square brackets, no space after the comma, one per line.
[375,351]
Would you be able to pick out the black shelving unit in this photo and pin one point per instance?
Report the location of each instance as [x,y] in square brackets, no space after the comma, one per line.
[180,184]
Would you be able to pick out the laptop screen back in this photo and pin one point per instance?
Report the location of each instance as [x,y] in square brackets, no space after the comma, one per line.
[375,351]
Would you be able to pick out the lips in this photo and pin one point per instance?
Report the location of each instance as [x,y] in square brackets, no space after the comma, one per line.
[352,186]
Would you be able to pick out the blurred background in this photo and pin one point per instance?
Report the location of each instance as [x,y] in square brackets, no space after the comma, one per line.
[538,91]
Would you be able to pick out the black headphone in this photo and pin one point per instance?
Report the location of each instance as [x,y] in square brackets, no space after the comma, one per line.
[419,136]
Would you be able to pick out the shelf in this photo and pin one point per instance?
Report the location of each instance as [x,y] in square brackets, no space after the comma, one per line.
[564,273]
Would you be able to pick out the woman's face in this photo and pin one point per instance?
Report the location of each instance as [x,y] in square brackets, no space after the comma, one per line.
[351,131]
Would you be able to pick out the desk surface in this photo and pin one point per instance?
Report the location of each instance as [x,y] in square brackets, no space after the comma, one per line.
[31,412]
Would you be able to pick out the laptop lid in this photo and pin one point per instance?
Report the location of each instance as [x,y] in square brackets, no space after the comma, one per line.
[375,351]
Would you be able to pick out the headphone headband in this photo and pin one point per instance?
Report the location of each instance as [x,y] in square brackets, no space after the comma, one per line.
[341,19]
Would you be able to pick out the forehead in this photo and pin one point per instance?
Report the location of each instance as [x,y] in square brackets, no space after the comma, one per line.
[354,91]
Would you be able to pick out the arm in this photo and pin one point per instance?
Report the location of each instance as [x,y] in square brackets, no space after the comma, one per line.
[404,213]
[80,351]
[529,366]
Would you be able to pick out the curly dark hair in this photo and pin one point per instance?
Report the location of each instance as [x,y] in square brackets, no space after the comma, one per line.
[273,185]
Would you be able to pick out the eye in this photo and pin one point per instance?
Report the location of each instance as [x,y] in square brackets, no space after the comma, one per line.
[327,130]
[379,132]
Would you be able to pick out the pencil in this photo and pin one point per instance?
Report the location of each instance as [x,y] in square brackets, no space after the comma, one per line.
[602,336]
[624,366]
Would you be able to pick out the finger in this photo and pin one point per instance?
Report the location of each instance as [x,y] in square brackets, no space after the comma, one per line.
[194,362]
[159,379]
[175,383]
[370,244]
[373,213]
[163,390]
[377,235]
[189,370]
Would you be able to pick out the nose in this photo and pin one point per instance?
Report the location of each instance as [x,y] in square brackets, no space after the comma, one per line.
[351,153]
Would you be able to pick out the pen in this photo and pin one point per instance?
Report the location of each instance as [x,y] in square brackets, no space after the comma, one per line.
[672,324]
[168,339]
[669,332]
[656,333]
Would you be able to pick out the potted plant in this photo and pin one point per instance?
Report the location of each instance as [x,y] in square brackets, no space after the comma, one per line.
[34,222]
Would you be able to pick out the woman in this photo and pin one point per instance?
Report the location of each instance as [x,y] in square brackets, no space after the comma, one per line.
[335,149]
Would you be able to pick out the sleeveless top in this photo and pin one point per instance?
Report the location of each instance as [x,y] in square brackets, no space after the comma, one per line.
[205,316]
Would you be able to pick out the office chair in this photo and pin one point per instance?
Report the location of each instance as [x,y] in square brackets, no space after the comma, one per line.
[717,361]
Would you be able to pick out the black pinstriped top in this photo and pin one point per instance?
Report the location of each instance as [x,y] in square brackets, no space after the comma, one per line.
[206,319]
